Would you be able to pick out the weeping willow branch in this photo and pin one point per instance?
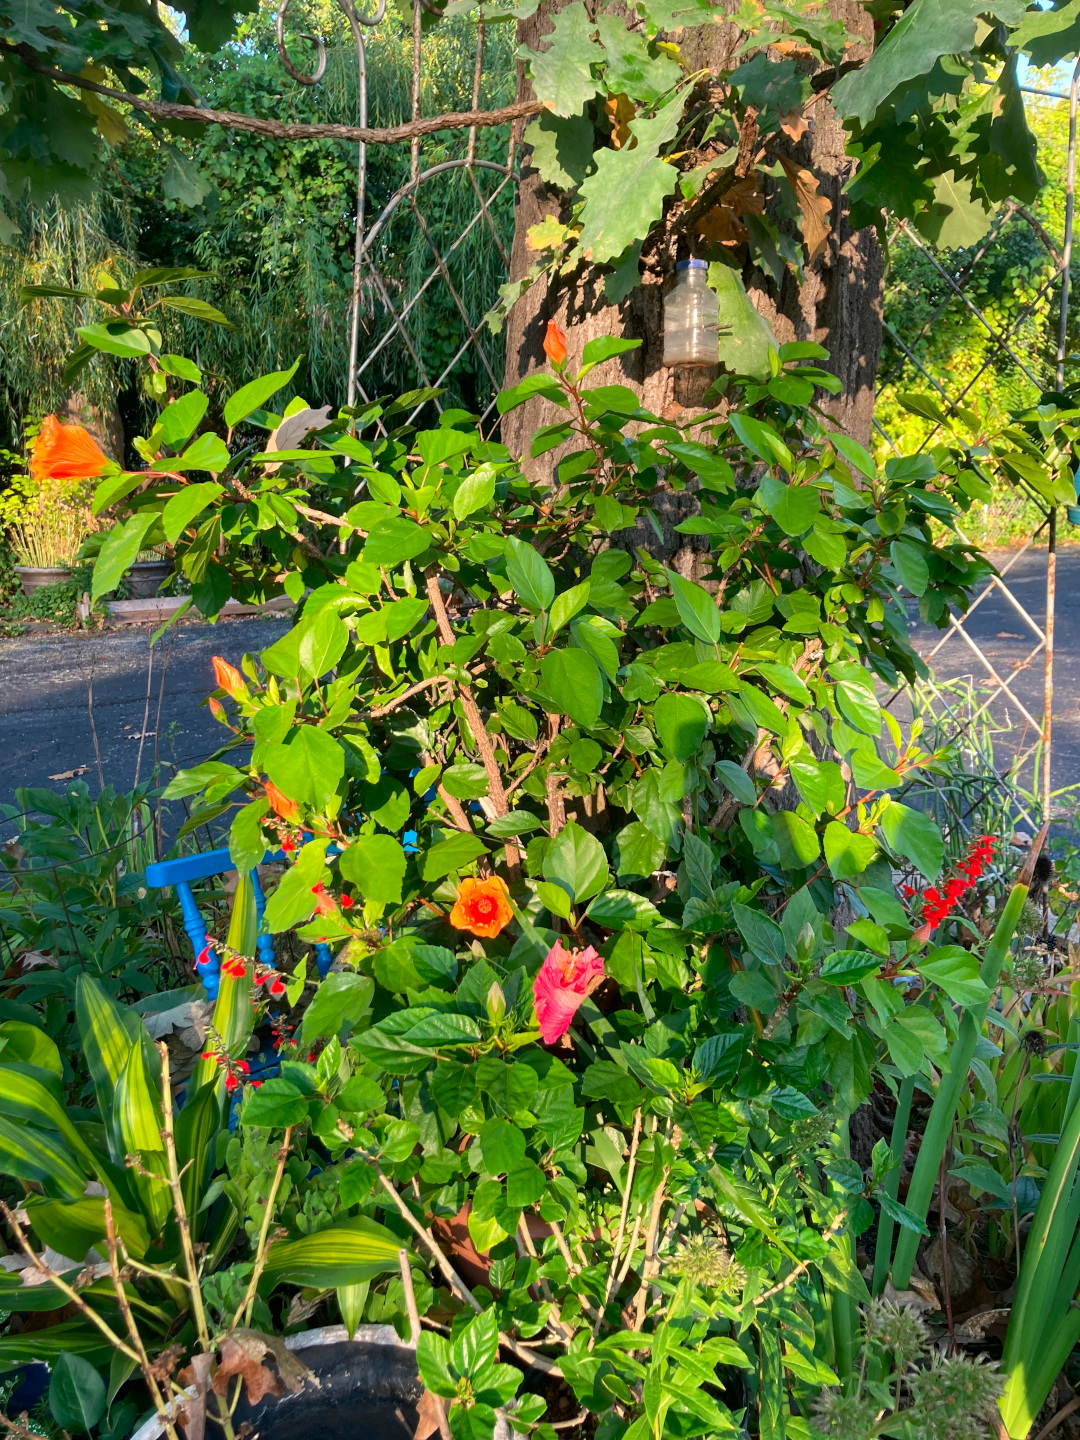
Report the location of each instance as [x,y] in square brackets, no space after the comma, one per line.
[277,129]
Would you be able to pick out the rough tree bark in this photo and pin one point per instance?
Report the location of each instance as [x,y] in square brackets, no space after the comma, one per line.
[838,305]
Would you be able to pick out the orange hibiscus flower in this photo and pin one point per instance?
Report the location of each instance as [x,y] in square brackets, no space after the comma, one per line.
[482,906]
[65,452]
[281,805]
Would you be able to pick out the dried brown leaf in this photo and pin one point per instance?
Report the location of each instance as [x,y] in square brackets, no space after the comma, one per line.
[794,124]
[813,205]
[237,1360]
[428,1416]
[723,224]
[193,1409]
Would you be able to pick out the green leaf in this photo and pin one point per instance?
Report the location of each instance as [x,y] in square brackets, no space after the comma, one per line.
[1049,35]
[900,1213]
[847,852]
[565,606]
[681,722]
[292,901]
[858,707]
[737,781]
[573,682]
[956,971]
[610,224]
[107,1032]
[347,1253]
[746,342]
[796,840]
[376,865]
[555,898]
[309,768]
[276,1103]
[639,852]
[254,395]
[475,492]
[394,540]
[196,309]
[915,836]
[454,853]
[697,609]
[35,1155]
[604,347]
[562,73]
[207,452]
[576,860]
[926,31]
[116,337]
[117,555]
[530,575]
[180,367]
[909,561]
[717,1058]
[848,967]
[763,936]
[322,643]
[76,1393]
[793,507]
[761,440]
[182,417]
[753,989]
[562,148]
[623,910]
[187,505]
[341,1000]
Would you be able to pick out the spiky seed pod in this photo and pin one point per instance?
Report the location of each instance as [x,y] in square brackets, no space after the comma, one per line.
[706,1261]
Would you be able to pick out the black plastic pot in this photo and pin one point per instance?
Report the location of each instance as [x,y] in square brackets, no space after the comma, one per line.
[146,577]
[35,577]
[368,1390]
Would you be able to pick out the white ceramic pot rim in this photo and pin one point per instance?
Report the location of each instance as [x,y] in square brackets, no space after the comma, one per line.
[324,1335]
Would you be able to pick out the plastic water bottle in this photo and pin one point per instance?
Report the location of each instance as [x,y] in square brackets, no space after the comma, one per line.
[691,318]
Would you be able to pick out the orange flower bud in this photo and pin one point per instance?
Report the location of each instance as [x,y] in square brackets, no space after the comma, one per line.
[555,344]
[482,907]
[65,452]
[229,678]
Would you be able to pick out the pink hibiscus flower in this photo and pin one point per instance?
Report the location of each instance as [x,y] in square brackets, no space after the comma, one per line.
[562,982]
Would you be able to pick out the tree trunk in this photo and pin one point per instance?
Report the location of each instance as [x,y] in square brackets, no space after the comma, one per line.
[103,424]
[838,305]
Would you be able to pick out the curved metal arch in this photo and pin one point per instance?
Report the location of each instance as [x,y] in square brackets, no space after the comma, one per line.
[414,184]
[357,21]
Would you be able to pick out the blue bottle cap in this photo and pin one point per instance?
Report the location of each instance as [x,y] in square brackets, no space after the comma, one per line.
[691,265]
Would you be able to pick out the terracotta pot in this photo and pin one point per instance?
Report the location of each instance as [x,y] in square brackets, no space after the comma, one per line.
[33,577]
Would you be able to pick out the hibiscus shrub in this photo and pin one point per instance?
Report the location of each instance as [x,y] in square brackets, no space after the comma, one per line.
[574,825]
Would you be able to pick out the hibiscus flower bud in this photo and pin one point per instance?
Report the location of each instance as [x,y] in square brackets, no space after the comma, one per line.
[228,678]
[555,344]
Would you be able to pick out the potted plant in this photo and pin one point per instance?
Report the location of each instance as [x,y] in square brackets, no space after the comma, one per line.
[48,512]
[148,574]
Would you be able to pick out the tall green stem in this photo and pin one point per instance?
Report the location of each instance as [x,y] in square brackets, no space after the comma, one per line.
[883,1249]
[953,1079]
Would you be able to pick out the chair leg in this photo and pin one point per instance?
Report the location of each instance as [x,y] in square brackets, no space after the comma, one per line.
[323,958]
[208,970]
[265,943]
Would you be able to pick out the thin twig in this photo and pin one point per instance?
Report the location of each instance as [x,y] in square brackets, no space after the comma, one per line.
[246,1305]
[454,1280]
[410,1296]
[160,1404]
[1055,1420]
[802,1266]
[146,712]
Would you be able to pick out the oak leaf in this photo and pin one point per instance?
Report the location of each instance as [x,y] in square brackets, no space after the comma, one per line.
[814,206]
[794,124]
[723,224]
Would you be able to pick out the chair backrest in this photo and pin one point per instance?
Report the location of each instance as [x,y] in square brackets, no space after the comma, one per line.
[182,874]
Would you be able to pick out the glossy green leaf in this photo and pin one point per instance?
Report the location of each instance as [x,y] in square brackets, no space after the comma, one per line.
[347,1253]
[255,394]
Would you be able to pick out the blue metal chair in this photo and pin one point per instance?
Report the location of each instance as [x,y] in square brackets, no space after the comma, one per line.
[182,874]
